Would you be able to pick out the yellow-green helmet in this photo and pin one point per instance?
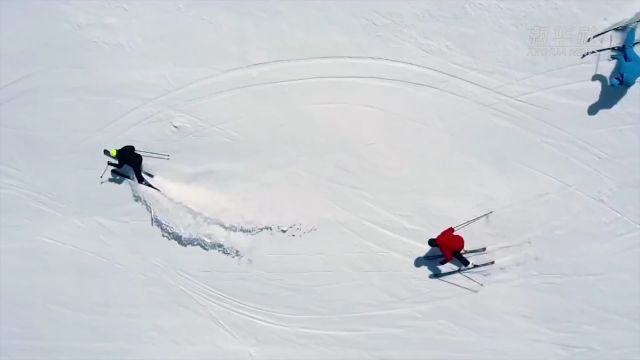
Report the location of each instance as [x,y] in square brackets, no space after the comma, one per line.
[113,152]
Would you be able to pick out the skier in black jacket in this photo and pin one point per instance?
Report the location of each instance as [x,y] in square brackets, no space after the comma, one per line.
[127,155]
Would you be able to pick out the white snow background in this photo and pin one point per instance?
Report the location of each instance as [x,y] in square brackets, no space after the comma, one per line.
[315,147]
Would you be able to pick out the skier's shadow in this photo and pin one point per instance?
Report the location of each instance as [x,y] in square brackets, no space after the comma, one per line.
[115,178]
[609,95]
[432,265]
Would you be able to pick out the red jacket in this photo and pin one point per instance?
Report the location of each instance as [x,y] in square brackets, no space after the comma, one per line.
[449,243]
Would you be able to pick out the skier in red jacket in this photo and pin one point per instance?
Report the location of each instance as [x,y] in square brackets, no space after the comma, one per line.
[450,245]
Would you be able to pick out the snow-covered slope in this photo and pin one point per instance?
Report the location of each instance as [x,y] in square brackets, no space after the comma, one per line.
[315,147]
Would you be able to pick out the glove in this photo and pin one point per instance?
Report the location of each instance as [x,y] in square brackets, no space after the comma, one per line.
[111,164]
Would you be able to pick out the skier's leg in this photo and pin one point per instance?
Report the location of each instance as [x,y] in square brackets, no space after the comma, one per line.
[141,180]
[616,77]
[463,260]
[615,80]
[138,171]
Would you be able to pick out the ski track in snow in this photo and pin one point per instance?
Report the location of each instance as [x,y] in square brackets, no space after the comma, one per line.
[248,70]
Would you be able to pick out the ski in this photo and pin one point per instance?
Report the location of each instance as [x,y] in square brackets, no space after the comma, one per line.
[605,49]
[464,252]
[620,25]
[106,152]
[117,173]
[447,273]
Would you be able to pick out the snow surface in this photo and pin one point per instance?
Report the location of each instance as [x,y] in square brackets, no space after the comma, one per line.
[315,147]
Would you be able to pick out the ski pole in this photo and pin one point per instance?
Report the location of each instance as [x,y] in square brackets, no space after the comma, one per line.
[156,157]
[604,49]
[105,170]
[151,152]
[475,218]
[469,222]
[470,278]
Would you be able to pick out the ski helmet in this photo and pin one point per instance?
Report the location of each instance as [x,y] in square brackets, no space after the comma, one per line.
[432,242]
[113,152]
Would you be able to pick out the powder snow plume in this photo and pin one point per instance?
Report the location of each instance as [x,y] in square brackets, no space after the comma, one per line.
[187,226]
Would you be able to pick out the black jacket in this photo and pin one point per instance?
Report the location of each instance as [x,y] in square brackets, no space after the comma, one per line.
[127,155]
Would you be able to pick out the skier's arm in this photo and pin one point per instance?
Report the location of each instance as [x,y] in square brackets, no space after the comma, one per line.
[448,231]
[117,166]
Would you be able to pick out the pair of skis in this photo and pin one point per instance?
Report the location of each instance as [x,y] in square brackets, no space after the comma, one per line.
[115,172]
[461,270]
[618,26]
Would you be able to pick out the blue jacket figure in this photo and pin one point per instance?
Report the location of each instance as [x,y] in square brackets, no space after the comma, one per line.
[628,67]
